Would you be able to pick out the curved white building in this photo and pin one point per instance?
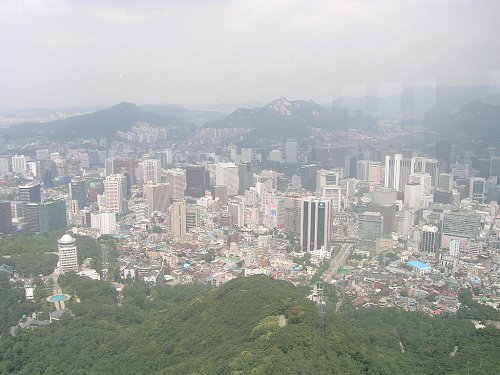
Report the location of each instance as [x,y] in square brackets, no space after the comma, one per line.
[68,257]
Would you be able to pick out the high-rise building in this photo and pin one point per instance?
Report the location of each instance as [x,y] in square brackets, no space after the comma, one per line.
[291,152]
[397,171]
[462,226]
[5,218]
[246,155]
[388,212]
[334,193]
[477,189]
[19,164]
[369,171]
[151,171]
[115,191]
[126,167]
[370,229]
[157,197]
[350,166]
[220,194]
[293,204]
[227,174]
[78,192]
[245,175]
[445,182]
[45,216]
[426,165]
[308,177]
[429,240]
[105,222]
[197,181]
[275,155]
[177,180]
[30,193]
[495,166]
[193,216]
[178,218]
[413,196]
[443,154]
[315,226]
[237,212]
[326,177]
[68,255]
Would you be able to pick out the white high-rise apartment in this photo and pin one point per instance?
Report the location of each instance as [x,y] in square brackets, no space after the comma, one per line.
[151,171]
[68,257]
[115,191]
[19,164]
[227,174]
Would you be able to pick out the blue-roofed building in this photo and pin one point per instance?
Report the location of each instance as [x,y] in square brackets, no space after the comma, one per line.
[420,267]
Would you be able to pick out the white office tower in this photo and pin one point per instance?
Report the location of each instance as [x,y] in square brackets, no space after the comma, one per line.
[426,165]
[246,155]
[429,240]
[315,225]
[369,171]
[296,182]
[397,171]
[445,182]
[272,207]
[151,171]
[68,257]
[227,174]
[105,222]
[291,152]
[477,188]
[19,164]
[177,180]
[275,155]
[413,195]
[237,212]
[404,222]
[251,196]
[115,191]
[334,193]
[178,219]
[157,197]
[325,177]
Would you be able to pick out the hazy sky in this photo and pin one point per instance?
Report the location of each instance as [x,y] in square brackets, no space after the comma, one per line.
[63,53]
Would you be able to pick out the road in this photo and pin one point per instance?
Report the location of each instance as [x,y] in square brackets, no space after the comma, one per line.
[338,261]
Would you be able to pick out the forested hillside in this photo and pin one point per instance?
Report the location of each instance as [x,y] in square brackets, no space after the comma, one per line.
[238,329]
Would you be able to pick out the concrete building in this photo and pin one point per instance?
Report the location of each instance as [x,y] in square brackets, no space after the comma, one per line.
[115,191]
[177,215]
[68,256]
[151,171]
[315,229]
[429,242]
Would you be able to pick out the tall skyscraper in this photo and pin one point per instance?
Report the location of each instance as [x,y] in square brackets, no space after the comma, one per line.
[178,218]
[78,192]
[315,226]
[245,175]
[19,164]
[45,216]
[326,177]
[246,155]
[227,174]
[429,240]
[197,181]
[151,171]
[291,152]
[477,189]
[68,255]
[5,218]
[334,193]
[443,154]
[177,180]
[115,191]
[308,177]
[30,193]
[397,171]
[369,171]
[157,197]
[445,182]
[370,229]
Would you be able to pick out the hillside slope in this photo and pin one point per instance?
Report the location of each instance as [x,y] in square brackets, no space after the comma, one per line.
[235,330]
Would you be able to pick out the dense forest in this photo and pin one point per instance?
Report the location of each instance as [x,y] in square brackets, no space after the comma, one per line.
[240,329]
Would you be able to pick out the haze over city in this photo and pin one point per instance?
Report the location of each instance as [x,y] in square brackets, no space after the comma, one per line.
[203,53]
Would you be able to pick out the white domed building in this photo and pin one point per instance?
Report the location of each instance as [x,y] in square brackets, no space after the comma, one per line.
[68,256]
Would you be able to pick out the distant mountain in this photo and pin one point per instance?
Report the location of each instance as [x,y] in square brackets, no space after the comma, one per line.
[197,117]
[231,107]
[291,118]
[417,101]
[102,123]
[476,120]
